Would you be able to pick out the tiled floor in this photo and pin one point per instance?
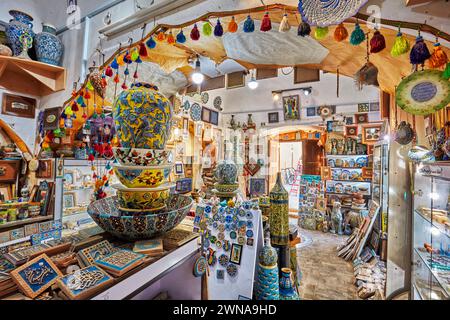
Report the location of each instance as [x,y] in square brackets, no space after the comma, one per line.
[325,276]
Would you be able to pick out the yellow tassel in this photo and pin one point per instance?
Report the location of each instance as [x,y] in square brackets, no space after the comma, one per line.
[120,60]
[401,45]
[340,33]
[438,58]
[284,25]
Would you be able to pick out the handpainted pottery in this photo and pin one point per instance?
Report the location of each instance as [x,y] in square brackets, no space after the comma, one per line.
[21,24]
[49,48]
[404,133]
[142,157]
[143,117]
[226,187]
[267,283]
[137,177]
[196,112]
[143,198]
[287,290]
[279,213]
[105,213]
[232,270]
[420,154]
[226,172]
[268,255]
[223,260]
[200,266]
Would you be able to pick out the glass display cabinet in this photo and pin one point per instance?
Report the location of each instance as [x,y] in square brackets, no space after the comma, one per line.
[430,276]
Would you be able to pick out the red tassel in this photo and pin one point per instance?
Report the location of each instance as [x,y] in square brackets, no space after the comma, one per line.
[266,24]
[170,38]
[87,95]
[116,78]
[75,107]
[84,116]
[109,71]
[377,43]
[135,75]
[124,86]
[161,36]
[143,50]
[91,158]
[195,33]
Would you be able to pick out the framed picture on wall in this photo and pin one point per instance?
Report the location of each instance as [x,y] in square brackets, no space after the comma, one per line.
[291,107]
[374,106]
[18,106]
[214,117]
[45,169]
[363,107]
[311,111]
[361,118]
[351,131]
[51,118]
[5,192]
[179,170]
[273,117]
[371,134]
[206,114]
[69,200]
[257,186]
[236,253]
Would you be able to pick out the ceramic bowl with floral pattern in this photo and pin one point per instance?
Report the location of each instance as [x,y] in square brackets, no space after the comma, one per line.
[142,157]
[143,198]
[142,176]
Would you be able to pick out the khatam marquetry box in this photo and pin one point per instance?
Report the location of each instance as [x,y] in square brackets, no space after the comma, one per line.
[84,283]
[120,261]
[96,252]
[35,276]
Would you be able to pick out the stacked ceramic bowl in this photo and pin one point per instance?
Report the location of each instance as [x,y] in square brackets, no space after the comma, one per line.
[142,119]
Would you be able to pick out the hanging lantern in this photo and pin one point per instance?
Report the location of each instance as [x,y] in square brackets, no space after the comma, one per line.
[266,24]
[357,36]
[232,26]
[340,33]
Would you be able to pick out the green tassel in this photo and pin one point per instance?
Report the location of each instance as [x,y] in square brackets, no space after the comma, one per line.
[207,29]
[320,32]
[401,45]
[446,73]
[357,36]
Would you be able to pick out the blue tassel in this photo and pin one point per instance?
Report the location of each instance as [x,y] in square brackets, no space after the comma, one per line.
[419,53]
[127,72]
[181,38]
[249,24]
[138,60]
[218,29]
[357,36]
[151,43]
[80,100]
[114,64]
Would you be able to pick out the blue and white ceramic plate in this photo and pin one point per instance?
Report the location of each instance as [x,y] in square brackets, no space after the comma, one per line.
[223,260]
[217,102]
[232,270]
[186,105]
[196,112]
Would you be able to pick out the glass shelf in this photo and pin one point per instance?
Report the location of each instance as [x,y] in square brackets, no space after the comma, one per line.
[436,273]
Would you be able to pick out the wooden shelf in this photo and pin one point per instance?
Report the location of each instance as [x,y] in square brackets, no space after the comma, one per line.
[24,221]
[31,77]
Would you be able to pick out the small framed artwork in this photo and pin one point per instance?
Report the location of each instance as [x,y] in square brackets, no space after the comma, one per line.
[18,106]
[351,131]
[321,203]
[198,129]
[220,274]
[5,193]
[179,168]
[370,149]
[291,107]
[206,114]
[371,134]
[363,107]
[361,118]
[311,111]
[367,173]
[185,124]
[273,117]
[349,120]
[374,106]
[183,185]
[51,118]
[330,126]
[236,253]
[325,173]
[257,186]
[69,200]
[45,169]
[69,177]
[214,117]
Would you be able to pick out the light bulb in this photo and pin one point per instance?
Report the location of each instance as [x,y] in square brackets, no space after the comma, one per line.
[253,84]
[387,137]
[197,77]
[276,97]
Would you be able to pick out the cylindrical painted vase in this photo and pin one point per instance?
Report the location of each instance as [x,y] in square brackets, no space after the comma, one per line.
[287,289]
[279,213]
[267,281]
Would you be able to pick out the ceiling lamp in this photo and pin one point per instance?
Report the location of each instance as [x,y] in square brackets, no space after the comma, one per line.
[253,84]
[307,91]
[197,76]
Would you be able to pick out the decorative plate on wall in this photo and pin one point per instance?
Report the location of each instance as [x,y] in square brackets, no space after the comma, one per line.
[186,105]
[205,97]
[196,112]
[217,103]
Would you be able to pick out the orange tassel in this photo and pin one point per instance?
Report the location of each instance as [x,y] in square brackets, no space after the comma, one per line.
[232,26]
[170,38]
[161,36]
[340,33]
[438,58]
[116,78]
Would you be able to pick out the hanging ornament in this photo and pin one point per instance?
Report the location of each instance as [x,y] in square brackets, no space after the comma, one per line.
[206,29]
[439,57]
[138,60]
[367,75]
[218,29]
[249,24]
[127,71]
[151,43]
[266,24]
[161,36]
[127,58]
[116,78]
[195,33]
[284,24]
[135,75]
[114,64]
[357,36]
[143,50]
[446,73]
[320,32]
[419,52]
[80,99]
[232,26]
[87,95]
[135,54]
[304,29]
[181,38]
[109,71]
[124,86]
[170,38]
[120,61]
[377,43]
[68,123]
[74,107]
[401,45]
[340,33]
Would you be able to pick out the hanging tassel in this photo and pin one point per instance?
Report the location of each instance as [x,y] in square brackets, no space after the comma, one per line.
[195,34]
[161,36]
[181,38]
[377,43]
[135,75]
[151,43]
[232,26]
[114,64]
[357,36]
[266,24]
[304,29]
[419,52]
[108,71]
[135,55]
[207,29]
[446,73]
[126,72]
[284,24]
[74,107]
[87,95]
[120,61]
[218,29]
[170,38]
[142,50]
[340,33]
[249,24]
[124,86]
[127,58]
[116,78]
[438,58]
[401,45]
[320,32]
[138,60]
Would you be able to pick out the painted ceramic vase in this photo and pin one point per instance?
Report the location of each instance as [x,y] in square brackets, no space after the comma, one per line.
[226,172]
[404,133]
[143,198]
[143,117]
[267,281]
[420,153]
[140,176]
[287,289]
[19,25]
[142,157]
[279,213]
[49,48]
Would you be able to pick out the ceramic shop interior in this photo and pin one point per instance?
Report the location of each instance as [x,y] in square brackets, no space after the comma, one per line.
[236,150]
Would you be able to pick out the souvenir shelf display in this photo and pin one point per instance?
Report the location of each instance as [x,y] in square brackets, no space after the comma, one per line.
[430,274]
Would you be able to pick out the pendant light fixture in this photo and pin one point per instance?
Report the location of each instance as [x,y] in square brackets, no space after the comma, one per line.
[253,84]
[197,76]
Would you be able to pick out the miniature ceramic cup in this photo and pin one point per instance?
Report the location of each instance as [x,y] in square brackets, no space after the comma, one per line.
[143,198]
[142,157]
[140,176]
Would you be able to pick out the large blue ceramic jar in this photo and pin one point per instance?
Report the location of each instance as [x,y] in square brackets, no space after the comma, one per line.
[21,24]
[49,48]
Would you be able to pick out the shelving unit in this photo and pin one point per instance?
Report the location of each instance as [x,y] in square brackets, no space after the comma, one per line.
[24,222]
